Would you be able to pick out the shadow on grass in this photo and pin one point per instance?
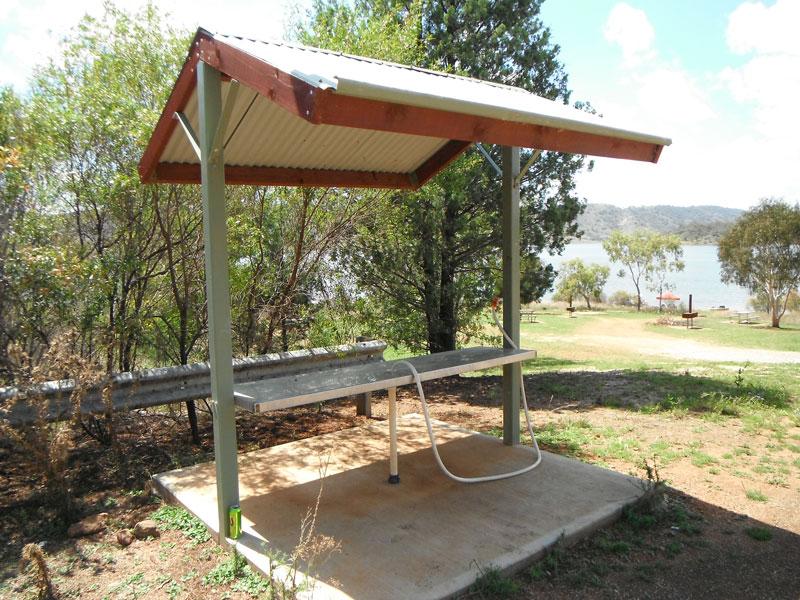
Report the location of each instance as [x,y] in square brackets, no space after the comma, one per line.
[629,389]
[681,548]
[654,389]
[546,363]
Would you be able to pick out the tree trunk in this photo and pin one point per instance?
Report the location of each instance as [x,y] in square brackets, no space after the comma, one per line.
[448,317]
[432,276]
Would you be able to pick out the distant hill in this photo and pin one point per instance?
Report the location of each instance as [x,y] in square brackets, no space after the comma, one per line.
[694,224]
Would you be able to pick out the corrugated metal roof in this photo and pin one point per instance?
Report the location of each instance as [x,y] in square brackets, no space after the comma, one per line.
[261,133]
[379,80]
[306,116]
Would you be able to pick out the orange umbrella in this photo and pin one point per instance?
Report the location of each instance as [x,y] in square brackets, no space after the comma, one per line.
[668,297]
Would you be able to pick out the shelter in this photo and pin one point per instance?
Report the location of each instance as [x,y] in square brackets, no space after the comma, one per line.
[277,114]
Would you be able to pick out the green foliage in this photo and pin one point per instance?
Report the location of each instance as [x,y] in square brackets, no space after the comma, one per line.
[90,112]
[429,260]
[760,534]
[579,279]
[386,31]
[179,519]
[762,253]
[622,298]
[14,201]
[88,247]
[491,584]
[638,519]
[648,256]
[756,496]
[235,571]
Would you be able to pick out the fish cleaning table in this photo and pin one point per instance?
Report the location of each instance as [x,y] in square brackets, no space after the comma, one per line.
[311,387]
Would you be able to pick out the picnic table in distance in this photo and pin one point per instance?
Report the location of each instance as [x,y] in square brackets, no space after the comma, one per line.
[527,315]
[746,317]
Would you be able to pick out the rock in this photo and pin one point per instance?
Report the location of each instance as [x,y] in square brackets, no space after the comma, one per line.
[145,529]
[125,537]
[88,526]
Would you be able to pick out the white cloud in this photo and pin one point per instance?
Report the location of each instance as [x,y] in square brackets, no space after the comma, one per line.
[33,27]
[754,27]
[734,132]
[631,30]
[770,80]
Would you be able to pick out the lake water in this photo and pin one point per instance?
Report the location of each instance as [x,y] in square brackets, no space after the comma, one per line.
[700,277]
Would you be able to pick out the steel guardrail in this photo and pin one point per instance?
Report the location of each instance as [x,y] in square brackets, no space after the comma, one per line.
[167,385]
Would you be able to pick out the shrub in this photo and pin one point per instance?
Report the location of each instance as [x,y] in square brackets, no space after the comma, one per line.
[622,298]
[46,445]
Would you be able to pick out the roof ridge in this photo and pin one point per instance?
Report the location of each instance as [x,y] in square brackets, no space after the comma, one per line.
[378,61]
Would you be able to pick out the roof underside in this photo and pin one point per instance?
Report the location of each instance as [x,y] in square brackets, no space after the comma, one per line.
[315,118]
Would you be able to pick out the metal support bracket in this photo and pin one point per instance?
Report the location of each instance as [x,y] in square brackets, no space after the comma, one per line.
[534,157]
[190,134]
[489,159]
[222,126]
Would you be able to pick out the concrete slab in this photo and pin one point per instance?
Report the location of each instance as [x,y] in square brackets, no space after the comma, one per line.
[423,538]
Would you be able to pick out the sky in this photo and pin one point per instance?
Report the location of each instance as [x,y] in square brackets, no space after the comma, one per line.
[721,78]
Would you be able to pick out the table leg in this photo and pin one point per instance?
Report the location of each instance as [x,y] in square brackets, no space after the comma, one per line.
[394,476]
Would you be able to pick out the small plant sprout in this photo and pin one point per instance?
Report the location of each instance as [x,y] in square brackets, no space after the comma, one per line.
[755,496]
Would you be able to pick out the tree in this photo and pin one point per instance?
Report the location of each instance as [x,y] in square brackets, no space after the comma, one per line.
[579,279]
[92,111]
[762,253]
[282,240]
[435,262]
[14,180]
[648,256]
[667,255]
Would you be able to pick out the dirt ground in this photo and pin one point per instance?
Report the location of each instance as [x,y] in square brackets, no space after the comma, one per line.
[709,538]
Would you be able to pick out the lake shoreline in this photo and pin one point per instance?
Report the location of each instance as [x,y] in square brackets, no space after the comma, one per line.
[700,277]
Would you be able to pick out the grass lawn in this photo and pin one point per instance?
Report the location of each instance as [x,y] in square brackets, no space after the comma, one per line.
[724,330]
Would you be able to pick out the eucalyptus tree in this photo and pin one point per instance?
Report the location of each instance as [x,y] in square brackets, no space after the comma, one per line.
[648,256]
[92,108]
[576,278]
[761,252]
[435,271]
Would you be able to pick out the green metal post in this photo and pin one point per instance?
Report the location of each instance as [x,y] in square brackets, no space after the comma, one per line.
[212,170]
[511,232]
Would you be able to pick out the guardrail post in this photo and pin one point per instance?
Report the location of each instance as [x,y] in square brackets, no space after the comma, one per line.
[511,300]
[212,169]
[364,404]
